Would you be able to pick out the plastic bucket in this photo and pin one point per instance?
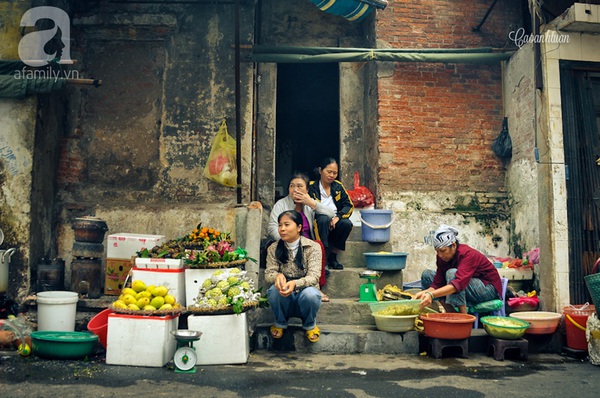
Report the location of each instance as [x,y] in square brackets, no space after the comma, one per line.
[376,225]
[576,320]
[99,325]
[56,310]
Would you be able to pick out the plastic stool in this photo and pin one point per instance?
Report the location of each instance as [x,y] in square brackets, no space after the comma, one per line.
[500,346]
[436,346]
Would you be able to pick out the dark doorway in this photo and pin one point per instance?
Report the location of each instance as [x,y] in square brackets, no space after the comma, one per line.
[308,114]
[580,92]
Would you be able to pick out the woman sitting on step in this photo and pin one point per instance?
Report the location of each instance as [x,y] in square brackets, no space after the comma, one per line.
[294,267]
[299,200]
[463,276]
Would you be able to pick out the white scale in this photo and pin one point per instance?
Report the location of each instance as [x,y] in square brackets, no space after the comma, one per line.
[185,358]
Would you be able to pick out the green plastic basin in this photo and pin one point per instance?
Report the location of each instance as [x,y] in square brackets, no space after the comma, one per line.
[63,345]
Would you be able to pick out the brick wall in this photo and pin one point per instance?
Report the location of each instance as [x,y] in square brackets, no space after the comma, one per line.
[437,121]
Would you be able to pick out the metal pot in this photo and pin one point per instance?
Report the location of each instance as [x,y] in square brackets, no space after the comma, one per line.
[89,229]
[5,256]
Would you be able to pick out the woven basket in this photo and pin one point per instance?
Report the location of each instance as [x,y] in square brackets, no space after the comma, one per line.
[172,311]
[229,264]
[221,310]
[593,284]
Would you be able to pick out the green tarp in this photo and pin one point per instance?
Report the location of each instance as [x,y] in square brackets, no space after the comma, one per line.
[16,84]
[290,54]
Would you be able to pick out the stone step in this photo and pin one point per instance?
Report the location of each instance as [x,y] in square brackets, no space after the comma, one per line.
[346,283]
[354,339]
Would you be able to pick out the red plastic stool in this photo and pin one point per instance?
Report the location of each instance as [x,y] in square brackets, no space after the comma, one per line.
[436,346]
[499,347]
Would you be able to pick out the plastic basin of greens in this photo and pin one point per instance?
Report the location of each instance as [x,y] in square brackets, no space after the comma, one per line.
[63,345]
[395,307]
[540,322]
[395,323]
[503,327]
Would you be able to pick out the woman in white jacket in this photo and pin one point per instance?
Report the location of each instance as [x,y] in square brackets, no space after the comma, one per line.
[299,200]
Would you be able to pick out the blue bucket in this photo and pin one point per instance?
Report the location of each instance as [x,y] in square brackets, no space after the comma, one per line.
[376,225]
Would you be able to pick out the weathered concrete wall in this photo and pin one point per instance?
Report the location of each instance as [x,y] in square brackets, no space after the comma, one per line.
[140,142]
[522,171]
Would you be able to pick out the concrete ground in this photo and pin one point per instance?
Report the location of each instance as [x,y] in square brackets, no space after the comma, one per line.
[296,374]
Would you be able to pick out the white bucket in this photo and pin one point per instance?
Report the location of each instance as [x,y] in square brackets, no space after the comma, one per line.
[56,310]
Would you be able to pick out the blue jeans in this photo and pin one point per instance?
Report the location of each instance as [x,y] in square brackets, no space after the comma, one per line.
[303,304]
[476,292]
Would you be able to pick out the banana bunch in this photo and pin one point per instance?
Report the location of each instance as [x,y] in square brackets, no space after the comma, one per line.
[390,292]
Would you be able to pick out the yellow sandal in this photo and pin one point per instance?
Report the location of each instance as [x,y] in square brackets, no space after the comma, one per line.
[313,334]
[276,332]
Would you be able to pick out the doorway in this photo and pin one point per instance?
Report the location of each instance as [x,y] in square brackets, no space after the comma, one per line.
[580,94]
[307,119]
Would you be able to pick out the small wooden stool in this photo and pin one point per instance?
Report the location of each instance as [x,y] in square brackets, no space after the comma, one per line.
[499,346]
[436,346]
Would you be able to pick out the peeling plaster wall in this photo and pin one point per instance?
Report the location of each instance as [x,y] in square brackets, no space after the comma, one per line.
[481,218]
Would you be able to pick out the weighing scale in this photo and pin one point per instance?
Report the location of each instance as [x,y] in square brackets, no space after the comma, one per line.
[185,357]
[368,291]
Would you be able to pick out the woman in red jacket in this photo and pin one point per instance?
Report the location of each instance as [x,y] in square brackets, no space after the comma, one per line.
[464,276]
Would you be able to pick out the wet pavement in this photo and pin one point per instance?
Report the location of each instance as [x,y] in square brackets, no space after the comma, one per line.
[278,374]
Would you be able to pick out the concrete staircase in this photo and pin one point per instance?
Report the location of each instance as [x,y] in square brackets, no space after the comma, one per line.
[347,326]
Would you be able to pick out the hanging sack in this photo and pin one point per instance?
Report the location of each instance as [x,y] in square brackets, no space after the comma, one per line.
[502,146]
[221,164]
[361,196]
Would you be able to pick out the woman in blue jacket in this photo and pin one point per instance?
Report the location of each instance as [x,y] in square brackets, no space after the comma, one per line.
[332,231]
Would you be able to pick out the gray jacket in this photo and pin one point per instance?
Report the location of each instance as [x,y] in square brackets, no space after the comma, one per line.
[287,203]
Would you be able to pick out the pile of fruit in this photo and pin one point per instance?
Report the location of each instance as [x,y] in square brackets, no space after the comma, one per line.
[140,297]
[228,288]
[200,247]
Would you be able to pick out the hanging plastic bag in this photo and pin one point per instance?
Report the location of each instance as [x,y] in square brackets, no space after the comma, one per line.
[361,196]
[502,146]
[221,164]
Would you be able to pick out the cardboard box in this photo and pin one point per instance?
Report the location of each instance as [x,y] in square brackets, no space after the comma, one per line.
[193,282]
[516,273]
[125,245]
[173,279]
[158,263]
[137,340]
[224,340]
[116,274]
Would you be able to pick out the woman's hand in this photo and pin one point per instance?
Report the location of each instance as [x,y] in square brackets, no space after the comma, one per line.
[426,297]
[288,288]
[280,281]
[303,198]
[333,221]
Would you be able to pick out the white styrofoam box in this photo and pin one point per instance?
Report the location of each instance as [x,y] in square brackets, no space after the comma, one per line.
[158,263]
[224,338]
[125,245]
[355,216]
[516,273]
[193,282]
[172,279]
[137,340]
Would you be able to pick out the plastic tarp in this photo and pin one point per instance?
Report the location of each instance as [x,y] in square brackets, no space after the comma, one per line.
[290,54]
[19,87]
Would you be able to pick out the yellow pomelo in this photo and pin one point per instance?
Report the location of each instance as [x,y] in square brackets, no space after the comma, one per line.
[142,302]
[160,291]
[119,304]
[170,299]
[149,308]
[157,302]
[129,299]
[166,307]
[150,288]
[133,307]
[138,286]
[128,290]
[145,293]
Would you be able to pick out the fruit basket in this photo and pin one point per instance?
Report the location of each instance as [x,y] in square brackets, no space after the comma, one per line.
[396,307]
[541,322]
[221,309]
[171,311]
[448,325]
[503,327]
